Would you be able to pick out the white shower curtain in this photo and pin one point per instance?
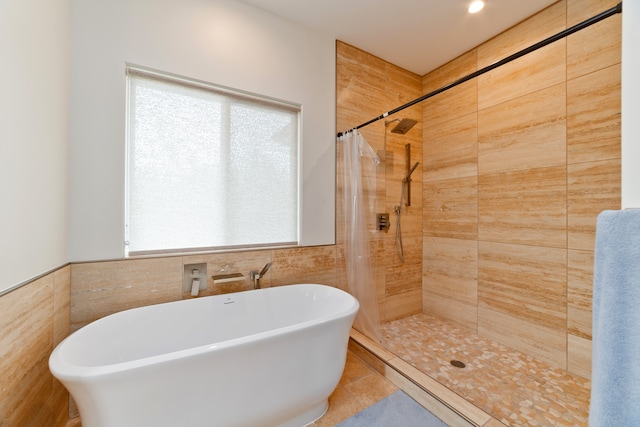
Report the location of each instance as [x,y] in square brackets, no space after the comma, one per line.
[359,163]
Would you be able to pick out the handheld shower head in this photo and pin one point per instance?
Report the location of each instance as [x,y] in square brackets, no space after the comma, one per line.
[406,178]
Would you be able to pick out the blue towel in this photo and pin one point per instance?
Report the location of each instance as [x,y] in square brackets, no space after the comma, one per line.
[615,391]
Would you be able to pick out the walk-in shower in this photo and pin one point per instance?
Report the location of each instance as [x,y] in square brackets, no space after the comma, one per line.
[474,284]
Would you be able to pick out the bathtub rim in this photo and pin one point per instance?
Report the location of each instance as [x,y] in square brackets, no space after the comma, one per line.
[66,371]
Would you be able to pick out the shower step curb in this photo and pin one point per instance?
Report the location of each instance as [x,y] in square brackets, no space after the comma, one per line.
[433,396]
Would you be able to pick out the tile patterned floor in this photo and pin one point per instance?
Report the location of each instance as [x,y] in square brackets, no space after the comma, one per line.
[360,387]
[515,388]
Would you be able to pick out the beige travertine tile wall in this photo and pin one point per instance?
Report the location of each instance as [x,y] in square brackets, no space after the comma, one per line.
[35,318]
[102,288]
[518,164]
[367,87]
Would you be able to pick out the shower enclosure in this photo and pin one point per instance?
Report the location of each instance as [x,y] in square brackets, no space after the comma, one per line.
[514,168]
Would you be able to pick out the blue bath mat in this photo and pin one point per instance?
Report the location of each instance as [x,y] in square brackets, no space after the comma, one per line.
[398,410]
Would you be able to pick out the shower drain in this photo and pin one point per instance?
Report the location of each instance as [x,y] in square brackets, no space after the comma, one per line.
[458,364]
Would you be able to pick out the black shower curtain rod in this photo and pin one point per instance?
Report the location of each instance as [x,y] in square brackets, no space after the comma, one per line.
[584,24]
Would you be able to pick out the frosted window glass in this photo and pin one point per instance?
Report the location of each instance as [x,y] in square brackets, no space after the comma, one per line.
[208,169]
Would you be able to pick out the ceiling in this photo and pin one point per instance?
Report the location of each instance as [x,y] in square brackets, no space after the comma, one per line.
[417,35]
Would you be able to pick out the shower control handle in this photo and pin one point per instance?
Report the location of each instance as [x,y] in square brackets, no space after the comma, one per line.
[382,222]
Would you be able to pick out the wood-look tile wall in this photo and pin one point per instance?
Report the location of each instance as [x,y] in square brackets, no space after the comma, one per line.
[33,320]
[518,164]
[367,87]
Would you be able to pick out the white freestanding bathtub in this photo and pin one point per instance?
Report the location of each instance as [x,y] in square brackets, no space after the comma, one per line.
[267,357]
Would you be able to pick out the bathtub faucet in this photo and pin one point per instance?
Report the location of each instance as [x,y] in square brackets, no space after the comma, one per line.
[256,275]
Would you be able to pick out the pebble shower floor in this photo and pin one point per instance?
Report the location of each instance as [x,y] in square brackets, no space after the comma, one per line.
[515,388]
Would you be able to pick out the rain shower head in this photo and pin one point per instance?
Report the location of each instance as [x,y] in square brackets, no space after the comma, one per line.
[403,126]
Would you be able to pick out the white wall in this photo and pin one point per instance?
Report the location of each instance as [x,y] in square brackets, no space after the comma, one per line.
[34,108]
[631,104]
[223,42]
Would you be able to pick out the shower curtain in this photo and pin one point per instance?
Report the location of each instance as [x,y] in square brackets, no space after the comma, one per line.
[359,163]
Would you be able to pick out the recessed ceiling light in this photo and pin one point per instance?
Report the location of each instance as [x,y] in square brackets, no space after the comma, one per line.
[476,6]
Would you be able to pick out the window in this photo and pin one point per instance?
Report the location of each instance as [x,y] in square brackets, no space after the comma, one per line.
[208,167]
